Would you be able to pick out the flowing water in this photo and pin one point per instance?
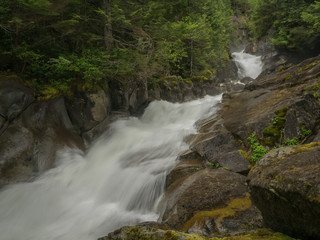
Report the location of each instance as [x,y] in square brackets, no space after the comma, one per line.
[248,65]
[118,182]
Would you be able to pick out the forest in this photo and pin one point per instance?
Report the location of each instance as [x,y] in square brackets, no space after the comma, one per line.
[59,45]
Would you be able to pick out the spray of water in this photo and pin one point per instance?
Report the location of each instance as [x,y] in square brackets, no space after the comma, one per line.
[248,65]
[118,182]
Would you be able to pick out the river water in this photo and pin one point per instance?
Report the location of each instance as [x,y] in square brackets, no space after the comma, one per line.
[117,182]
[248,65]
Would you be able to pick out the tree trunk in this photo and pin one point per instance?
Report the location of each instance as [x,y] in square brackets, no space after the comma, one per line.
[108,38]
[191,58]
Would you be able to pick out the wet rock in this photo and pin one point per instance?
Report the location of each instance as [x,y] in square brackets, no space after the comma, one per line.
[233,161]
[2,122]
[285,186]
[14,98]
[212,140]
[30,143]
[87,110]
[175,89]
[16,153]
[150,233]
[183,169]
[200,202]
[129,96]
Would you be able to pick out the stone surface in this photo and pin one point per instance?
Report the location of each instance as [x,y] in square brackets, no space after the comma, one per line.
[183,169]
[233,161]
[88,110]
[285,186]
[150,233]
[14,98]
[16,153]
[207,201]
[30,143]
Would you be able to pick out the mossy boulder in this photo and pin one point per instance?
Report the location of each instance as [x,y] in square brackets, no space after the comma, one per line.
[285,186]
[147,233]
[211,202]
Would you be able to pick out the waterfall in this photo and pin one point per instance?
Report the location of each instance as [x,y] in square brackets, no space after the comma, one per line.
[117,182]
[248,65]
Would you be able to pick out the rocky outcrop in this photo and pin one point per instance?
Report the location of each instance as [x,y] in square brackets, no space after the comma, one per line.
[130,96]
[29,144]
[14,99]
[285,186]
[32,131]
[282,108]
[175,89]
[210,202]
[148,233]
[89,113]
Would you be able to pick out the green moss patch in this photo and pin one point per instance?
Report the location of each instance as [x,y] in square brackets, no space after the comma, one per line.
[272,134]
[145,233]
[233,206]
[307,147]
[305,68]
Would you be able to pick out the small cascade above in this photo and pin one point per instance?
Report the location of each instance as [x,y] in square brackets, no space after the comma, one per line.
[248,65]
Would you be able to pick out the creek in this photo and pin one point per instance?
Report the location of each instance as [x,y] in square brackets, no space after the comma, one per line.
[248,65]
[118,182]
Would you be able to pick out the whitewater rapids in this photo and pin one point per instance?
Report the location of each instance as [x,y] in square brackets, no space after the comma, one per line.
[119,181]
[248,65]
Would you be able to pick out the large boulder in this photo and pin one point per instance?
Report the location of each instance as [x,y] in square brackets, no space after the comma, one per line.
[150,233]
[285,186]
[14,99]
[210,202]
[130,96]
[89,113]
[30,143]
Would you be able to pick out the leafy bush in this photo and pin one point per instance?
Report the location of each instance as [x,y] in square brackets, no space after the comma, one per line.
[258,150]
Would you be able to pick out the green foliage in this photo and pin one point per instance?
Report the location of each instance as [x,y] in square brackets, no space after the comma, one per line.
[258,150]
[63,43]
[291,142]
[216,165]
[305,132]
[295,24]
[273,133]
[296,141]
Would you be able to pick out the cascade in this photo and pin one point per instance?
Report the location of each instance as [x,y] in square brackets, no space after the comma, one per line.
[248,65]
[117,182]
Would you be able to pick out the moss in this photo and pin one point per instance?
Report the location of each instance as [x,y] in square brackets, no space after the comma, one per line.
[169,235]
[233,206]
[282,68]
[198,79]
[134,233]
[307,67]
[272,134]
[188,81]
[286,78]
[307,147]
[282,112]
[244,153]
[174,83]
[48,93]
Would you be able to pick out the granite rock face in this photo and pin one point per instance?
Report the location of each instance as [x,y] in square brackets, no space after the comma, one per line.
[285,186]
[210,202]
[30,143]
